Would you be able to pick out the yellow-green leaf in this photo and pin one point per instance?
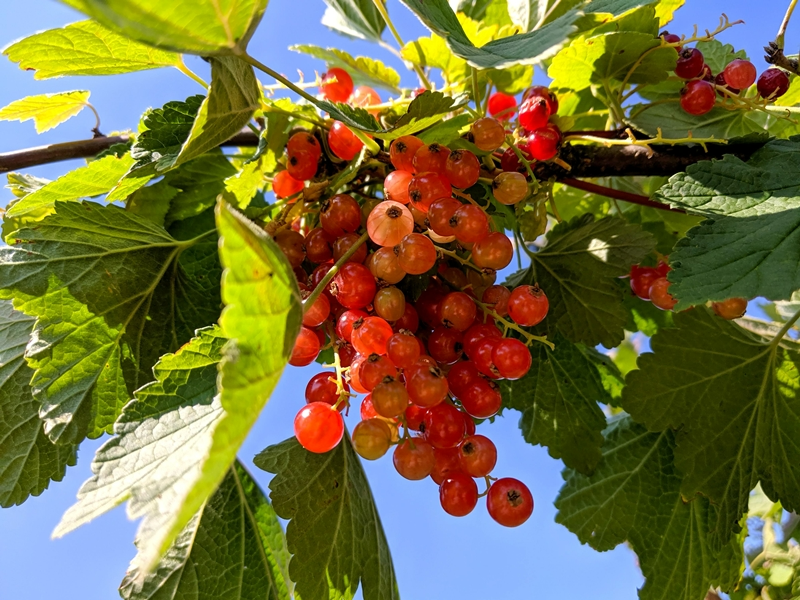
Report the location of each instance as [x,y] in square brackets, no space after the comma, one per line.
[46,110]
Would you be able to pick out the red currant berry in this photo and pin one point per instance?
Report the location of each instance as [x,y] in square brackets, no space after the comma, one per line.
[440,213]
[284,185]
[462,169]
[457,310]
[719,81]
[543,143]
[370,335]
[354,286]
[482,355]
[292,245]
[339,215]
[534,113]
[458,495]
[502,106]
[740,74]
[470,224]
[426,385]
[322,388]
[528,305]
[415,416]
[390,398]
[690,63]
[509,187]
[403,349]
[495,251]
[306,348]
[343,244]
[431,159]
[671,38]
[318,427]
[425,188]
[318,246]
[409,321]
[337,85]
[660,296]
[395,186]
[641,280]
[444,426]
[416,254]
[375,370]
[732,308]
[444,345]
[509,502]
[428,305]
[414,459]
[343,142]
[461,376]
[354,374]
[366,97]
[482,399]
[389,304]
[477,455]
[772,84]
[446,464]
[346,353]
[304,151]
[344,324]
[496,296]
[542,92]
[476,333]
[488,134]
[510,162]
[402,152]
[512,358]
[372,438]
[384,265]
[389,222]
[317,313]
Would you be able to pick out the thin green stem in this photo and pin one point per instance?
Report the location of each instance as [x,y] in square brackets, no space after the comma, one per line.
[275,75]
[334,270]
[181,66]
[96,129]
[476,88]
[785,329]
[423,79]
[371,145]
[529,337]
[456,257]
[779,39]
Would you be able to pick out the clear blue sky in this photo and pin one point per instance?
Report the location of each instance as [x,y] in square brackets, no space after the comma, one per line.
[435,556]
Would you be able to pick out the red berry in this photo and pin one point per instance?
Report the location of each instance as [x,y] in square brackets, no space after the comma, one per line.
[395,186]
[344,324]
[371,335]
[690,63]
[390,398]
[732,308]
[457,310]
[409,321]
[402,152]
[439,214]
[367,410]
[414,459]
[425,188]
[446,464]
[389,222]
[284,185]
[322,388]
[528,305]
[337,85]
[343,142]
[470,224]
[415,416]
[496,296]
[354,286]
[403,349]
[444,345]
[318,246]
[671,38]
[444,426]
[641,280]
[488,134]
[698,97]
[389,303]
[482,399]
[510,162]
[431,159]
[318,427]
[339,215]
[509,502]
[477,455]
[426,385]
[740,74]
[476,333]
[317,313]
[458,495]
[502,106]
[354,374]
[427,305]
[542,92]
[375,370]
[372,438]
[534,113]
[346,353]
[543,143]
[291,244]
[461,376]
[660,296]
[481,355]
[384,265]
[366,97]
[512,358]
[495,251]
[772,84]
[304,151]
[462,169]
[306,348]
[416,254]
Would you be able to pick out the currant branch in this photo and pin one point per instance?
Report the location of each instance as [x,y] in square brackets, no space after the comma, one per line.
[632,140]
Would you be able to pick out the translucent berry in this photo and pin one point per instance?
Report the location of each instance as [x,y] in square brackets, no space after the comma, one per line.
[390,398]
[482,399]
[461,376]
[534,113]
[470,224]
[318,246]
[431,159]
[543,143]
[403,349]
[372,438]
[343,142]
[690,63]
[439,214]
[292,244]
[366,97]
[462,169]
[511,358]
[772,84]
[284,185]
[477,332]
[415,416]
[306,348]
[339,215]
[402,152]
[390,303]
[488,134]
[502,106]
[425,188]
[344,324]
[370,335]
[322,388]
[354,286]
[395,186]
[409,321]
[337,85]
[509,187]
[303,151]
[426,385]
[528,305]
[318,427]
[740,74]
[660,296]
[316,314]
[444,426]
[732,308]
[384,265]
[375,370]
[496,296]
[445,346]
[416,254]
[458,495]
[414,459]
[698,97]
[477,455]
[389,222]
[671,38]
[641,280]
[509,502]
[543,92]
[457,310]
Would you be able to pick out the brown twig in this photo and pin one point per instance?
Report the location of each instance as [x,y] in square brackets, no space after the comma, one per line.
[616,194]
[775,56]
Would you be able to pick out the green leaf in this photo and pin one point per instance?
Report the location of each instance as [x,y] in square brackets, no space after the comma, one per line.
[532,14]
[523,49]
[152,202]
[577,270]
[231,102]
[199,182]
[643,316]
[165,131]
[425,110]
[676,123]
[245,184]
[665,10]
[512,80]
[95,179]
[91,275]
[635,496]
[354,18]
[734,397]
[203,27]
[334,532]
[46,110]
[615,7]
[446,131]
[610,56]
[749,244]
[354,117]
[363,69]
[558,400]
[234,543]
[717,55]
[85,48]
[28,459]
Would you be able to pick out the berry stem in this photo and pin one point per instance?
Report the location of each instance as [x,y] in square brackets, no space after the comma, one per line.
[779,39]
[334,270]
[631,140]
[456,257]
[785,329]
[423,79]
[616,194]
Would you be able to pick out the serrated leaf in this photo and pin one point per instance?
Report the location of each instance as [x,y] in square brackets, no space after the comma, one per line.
[750,243]
[705,372]
[152,202]
[615,7]
[90,274]
[85,48]
[354,117]
[577,270]
[446,131]
[202,27]
[165,131]
[234,543]
[665,10]
[28,459]
[198,182]
[611,56]
[363,69]
[635,496]
[676,123]
[717,55]
[354,18]
[425,110]
[522,49]
[245,184]
[334,532]
[532,14]
[558,400]
[46,110]
[232,100]
[643,315]
[95,179]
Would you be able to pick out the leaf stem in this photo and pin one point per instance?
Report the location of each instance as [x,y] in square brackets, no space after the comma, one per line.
[308,302]
[779,39]
[423,79]
[181,66]
[476,88]
[785,329]
[275,75]
[456,257]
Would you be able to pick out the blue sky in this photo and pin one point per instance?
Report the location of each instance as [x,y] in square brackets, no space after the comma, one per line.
[435,556]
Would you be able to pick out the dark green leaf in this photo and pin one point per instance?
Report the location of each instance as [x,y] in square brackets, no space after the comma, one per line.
[354,18]
[166,130]
[734,397]
[446,131]
[635,496]
[717,55]
[750,244]
[642,315]
[718,123]
[28,459]
[334,532]
[198,182]
[558,400]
